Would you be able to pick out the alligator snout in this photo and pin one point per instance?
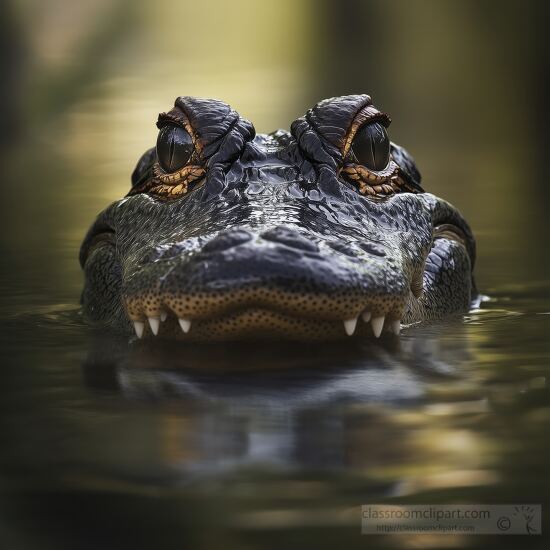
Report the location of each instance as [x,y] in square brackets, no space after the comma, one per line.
[248,283]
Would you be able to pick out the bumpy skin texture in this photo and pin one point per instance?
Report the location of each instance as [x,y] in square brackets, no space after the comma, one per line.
[276,236]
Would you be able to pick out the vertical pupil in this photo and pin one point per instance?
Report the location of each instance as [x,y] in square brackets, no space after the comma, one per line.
[371,146]
[174,147]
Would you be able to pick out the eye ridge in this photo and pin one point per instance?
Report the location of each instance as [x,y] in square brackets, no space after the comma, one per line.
[371,146]
[174,147]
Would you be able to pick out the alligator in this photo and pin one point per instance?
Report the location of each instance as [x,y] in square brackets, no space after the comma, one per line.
[320,233]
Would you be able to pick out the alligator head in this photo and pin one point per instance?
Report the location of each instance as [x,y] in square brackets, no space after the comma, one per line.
[320,233]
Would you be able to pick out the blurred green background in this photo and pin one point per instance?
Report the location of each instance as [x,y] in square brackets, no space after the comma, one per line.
[464,81]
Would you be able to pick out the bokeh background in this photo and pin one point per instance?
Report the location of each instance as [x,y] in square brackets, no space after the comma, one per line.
[81,83]
[466,83]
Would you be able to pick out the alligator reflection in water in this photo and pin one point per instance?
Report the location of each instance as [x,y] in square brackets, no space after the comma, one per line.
[328,411]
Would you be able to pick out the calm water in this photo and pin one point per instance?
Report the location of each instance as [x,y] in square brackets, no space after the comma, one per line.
[109,443]
[113,444]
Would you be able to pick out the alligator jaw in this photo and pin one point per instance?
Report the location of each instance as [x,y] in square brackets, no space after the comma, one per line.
[263,323]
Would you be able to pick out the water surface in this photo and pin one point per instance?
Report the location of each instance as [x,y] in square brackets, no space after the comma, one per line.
[116,443]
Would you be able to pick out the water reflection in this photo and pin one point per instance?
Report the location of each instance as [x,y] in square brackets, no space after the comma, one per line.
[453,411]
[303,408]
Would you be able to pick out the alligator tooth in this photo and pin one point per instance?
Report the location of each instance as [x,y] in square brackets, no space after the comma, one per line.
[366,315]
[185,324]
[396,326]
[154,323]
[349,326]
[163,315]
[138,327]
[377,324]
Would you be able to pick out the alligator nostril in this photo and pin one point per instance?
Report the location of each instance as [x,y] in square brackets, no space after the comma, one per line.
[289,237]
[227,239]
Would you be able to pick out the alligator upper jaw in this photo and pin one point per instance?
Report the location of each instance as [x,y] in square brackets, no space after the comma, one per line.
[256,323]
[260,312]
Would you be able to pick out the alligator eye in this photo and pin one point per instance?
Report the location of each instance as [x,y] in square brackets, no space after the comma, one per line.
[371,146]
[174,147]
